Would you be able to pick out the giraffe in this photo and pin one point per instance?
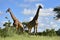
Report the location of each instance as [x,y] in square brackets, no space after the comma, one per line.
[34,22]
[16,22]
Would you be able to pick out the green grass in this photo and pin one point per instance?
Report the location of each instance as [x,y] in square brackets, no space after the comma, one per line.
[30,37]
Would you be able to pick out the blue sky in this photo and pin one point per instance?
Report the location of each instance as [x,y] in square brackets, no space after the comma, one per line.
[24,10]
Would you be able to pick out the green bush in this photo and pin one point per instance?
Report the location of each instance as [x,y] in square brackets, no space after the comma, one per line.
[50,32]
[7,31]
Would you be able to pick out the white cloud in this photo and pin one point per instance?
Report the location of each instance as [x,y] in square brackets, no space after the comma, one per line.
[1,12]
[28,11]
[21,5]
[51,23]
[18,4]
[43,12]
[31,18]
[53,26]
[41,24]
[3,22]
[46,12]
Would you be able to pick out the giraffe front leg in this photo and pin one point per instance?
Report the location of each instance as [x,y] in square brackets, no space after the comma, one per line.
[36,29]
[16,28]
[29,30]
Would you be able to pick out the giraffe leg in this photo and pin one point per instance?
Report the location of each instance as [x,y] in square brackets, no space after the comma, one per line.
[36,29]
[29,30]
[16,28]
[22,30]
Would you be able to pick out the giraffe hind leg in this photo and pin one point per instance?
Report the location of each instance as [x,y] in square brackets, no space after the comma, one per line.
[34,30]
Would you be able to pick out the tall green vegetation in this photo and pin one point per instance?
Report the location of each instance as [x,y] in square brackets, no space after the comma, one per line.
[7,31]
[50,32]
[10,31]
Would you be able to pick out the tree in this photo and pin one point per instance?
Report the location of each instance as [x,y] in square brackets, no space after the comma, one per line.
[24,24]
[7,24]
[50,32]
[58,32]
[7,31]
[57,10]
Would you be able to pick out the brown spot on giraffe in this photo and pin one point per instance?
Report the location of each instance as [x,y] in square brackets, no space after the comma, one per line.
[16,22]
[34,21]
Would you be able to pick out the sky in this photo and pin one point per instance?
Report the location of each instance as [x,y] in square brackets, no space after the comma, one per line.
[24,10]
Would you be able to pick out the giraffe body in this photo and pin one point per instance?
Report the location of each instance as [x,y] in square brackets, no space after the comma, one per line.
[16,22]
[34,22]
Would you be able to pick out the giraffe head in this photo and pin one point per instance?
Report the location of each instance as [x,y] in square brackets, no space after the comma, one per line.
[40,6]
[8,10]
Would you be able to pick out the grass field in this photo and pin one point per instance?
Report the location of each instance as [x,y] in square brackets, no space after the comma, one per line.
[30,37]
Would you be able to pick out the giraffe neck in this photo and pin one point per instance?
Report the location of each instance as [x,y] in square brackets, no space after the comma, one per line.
[13,17]
[37,14]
